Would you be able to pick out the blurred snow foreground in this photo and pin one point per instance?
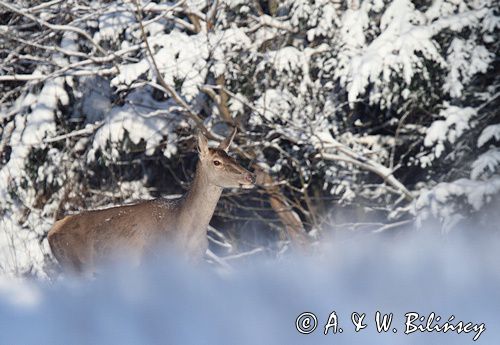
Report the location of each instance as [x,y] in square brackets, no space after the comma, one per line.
[169,302]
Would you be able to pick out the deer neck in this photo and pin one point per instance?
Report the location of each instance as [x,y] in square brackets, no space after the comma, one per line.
[198,205]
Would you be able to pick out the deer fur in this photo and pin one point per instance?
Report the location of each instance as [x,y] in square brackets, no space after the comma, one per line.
[79,242]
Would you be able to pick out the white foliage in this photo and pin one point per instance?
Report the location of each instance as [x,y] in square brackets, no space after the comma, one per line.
[440,201]
[487,163]
[274,104]
[456,121]
[286,60]
[465,59]
[226,44]
[290,65]
[302,10]
[196,4]
[393,52]
[326,21]
[139,119]
[19,247]
[443,8]
[114,21]
[352,39]
[405,41]
[41,120]
[490,132]
[180,59]
[320,18]
[236,104]
[129,73]
[234,3]
[30,130]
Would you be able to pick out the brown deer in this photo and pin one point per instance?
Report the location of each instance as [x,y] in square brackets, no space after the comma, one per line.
[79,242]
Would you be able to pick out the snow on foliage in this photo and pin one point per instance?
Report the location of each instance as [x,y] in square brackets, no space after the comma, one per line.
[180,59]
[486,164]
[490,132]
[465,59]
[140,120]
[116,19]
[456,122]
[440,201]
[393,53]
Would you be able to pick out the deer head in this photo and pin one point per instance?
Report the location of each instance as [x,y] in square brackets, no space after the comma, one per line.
[220,169]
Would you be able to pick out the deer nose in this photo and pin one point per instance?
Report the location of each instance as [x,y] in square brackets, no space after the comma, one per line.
[250,178]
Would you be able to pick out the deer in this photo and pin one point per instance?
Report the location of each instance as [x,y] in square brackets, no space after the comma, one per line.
[81,241]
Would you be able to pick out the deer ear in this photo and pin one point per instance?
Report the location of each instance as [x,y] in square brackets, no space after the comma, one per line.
[224,145]
[202,144]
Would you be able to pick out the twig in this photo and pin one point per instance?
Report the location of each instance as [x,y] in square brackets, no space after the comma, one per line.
[218,260]
[243,254]
[43,5]
[38,77]
[89,129]
[393,225]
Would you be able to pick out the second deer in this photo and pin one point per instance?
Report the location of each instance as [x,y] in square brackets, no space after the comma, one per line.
[79,242]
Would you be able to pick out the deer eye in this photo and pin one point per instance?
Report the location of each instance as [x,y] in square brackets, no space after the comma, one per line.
[216,163]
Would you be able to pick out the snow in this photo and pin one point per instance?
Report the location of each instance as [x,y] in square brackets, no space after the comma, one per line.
[465,59]
[169,302]
[180,59]
[321,17]
[288,64]
[130,73]
[286,60]
[327,19]
[486,162]
[439,201]
[352,36]
[19,293]
[20,249]
[41,120]
[114,21]
[273,103]
[96,102]
[457,121]
[237,104]
[140,120]
[226,44]
[393,51]
[404,42]
[490,132]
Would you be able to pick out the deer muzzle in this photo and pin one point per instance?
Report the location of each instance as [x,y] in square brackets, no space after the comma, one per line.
[250,181]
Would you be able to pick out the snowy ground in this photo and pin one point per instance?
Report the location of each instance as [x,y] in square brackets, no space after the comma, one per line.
[171,303]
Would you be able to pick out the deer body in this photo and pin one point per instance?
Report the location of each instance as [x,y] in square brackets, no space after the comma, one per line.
[79,242]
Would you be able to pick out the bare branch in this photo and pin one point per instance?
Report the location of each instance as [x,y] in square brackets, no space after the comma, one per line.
[89,129]
[43,5]
[40,77]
